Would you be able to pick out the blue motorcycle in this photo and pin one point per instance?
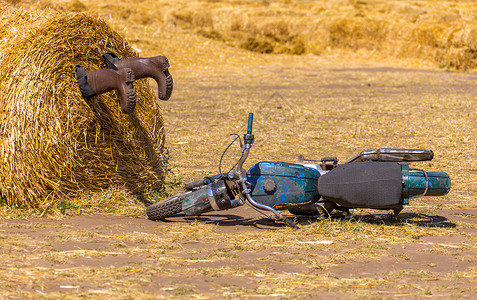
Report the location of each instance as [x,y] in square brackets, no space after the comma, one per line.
[376,179]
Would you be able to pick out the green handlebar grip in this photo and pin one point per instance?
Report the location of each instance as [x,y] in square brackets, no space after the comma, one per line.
[250,122]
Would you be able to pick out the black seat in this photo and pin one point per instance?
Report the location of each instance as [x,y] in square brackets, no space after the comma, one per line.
[375,185]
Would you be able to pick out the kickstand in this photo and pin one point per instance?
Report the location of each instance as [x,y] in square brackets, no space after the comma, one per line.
[290,223]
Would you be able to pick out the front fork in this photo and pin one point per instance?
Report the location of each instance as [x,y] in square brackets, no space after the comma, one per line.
[246,194]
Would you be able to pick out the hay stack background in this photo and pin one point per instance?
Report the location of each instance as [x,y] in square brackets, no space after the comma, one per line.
[437,32]
[54,144]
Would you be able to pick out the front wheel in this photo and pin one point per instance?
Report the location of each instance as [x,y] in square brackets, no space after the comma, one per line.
[166,208]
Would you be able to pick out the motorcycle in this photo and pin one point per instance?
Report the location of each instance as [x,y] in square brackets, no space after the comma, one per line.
[376,179]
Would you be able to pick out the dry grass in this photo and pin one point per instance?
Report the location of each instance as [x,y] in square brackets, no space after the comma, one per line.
[338,99]
[54,144]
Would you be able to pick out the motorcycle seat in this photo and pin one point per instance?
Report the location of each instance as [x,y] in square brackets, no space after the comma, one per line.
[376,185]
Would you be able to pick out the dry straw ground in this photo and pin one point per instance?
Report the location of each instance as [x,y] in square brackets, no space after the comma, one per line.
[363,75]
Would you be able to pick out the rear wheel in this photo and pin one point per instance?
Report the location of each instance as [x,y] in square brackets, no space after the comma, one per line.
[166,208]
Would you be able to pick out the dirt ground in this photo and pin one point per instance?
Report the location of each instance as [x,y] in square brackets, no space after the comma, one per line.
[315,107]
[89,256]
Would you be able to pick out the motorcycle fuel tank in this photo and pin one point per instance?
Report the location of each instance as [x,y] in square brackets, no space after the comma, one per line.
[281,185]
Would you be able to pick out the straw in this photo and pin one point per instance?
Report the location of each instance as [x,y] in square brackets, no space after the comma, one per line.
[53,143]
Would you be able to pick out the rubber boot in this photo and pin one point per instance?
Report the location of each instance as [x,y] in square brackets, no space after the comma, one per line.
[154,67]
[96,82]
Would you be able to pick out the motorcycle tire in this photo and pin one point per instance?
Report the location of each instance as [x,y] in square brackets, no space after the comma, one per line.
[166,208]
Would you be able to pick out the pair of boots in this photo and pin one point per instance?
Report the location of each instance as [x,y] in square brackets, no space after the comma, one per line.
[120,76]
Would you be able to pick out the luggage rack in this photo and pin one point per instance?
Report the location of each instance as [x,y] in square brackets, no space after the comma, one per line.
[393,155]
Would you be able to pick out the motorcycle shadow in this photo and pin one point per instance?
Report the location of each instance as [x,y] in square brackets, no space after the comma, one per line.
[389,219]
[251,219]
[238,218]
[229,220]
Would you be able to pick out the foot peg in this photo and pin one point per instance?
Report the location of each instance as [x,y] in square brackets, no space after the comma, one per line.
[156,67]
[96,82]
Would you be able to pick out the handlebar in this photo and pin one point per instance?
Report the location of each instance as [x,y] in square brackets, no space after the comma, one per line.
[248,139]
[201,182]
[250,122]
[193,184]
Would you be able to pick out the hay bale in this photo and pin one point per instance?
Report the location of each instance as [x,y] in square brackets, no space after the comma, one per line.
[53,143]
